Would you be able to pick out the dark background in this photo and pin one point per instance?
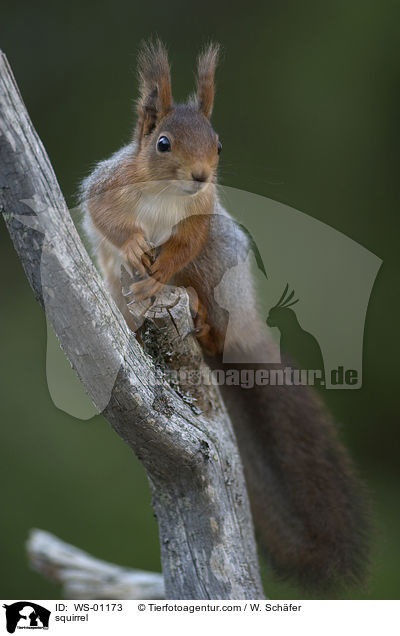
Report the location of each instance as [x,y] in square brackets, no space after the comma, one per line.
[307,110]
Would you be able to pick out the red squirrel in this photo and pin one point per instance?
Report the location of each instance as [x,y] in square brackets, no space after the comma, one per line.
[159,192]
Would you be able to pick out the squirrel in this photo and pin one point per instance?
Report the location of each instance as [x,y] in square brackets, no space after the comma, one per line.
[153,205]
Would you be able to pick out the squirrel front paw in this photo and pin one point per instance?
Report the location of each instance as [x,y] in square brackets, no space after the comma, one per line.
[146,288]
[136,253]
[159,275]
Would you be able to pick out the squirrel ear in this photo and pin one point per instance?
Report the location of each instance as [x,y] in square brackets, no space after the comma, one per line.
[155,99]
[206,65]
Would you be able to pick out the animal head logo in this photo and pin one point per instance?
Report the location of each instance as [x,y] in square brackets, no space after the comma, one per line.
[26,615]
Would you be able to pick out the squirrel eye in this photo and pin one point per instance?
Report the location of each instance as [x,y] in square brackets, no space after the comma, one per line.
[163,144]
[219,146]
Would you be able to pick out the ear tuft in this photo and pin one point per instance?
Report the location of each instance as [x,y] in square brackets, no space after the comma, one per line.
[155,99]
[206,65]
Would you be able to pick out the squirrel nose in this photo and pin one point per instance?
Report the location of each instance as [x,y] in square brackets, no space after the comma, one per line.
[199,176]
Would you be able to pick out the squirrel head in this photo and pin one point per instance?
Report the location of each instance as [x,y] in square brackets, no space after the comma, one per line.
[176,142]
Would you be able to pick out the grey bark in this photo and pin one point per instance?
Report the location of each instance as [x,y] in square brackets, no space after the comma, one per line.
[183,436]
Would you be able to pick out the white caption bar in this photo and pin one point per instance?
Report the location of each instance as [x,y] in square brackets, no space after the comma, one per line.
[172,618]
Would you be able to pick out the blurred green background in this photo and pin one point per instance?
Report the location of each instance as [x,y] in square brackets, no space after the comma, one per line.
[307,110]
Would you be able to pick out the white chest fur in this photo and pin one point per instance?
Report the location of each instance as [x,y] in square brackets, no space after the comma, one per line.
[158,214]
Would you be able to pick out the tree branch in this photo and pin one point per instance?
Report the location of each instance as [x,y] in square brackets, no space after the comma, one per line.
[182,434]
[83,576]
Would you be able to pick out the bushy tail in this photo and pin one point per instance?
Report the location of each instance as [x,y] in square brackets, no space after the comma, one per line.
[308,505]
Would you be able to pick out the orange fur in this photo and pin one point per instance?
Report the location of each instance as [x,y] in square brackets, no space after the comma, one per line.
[146,188]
